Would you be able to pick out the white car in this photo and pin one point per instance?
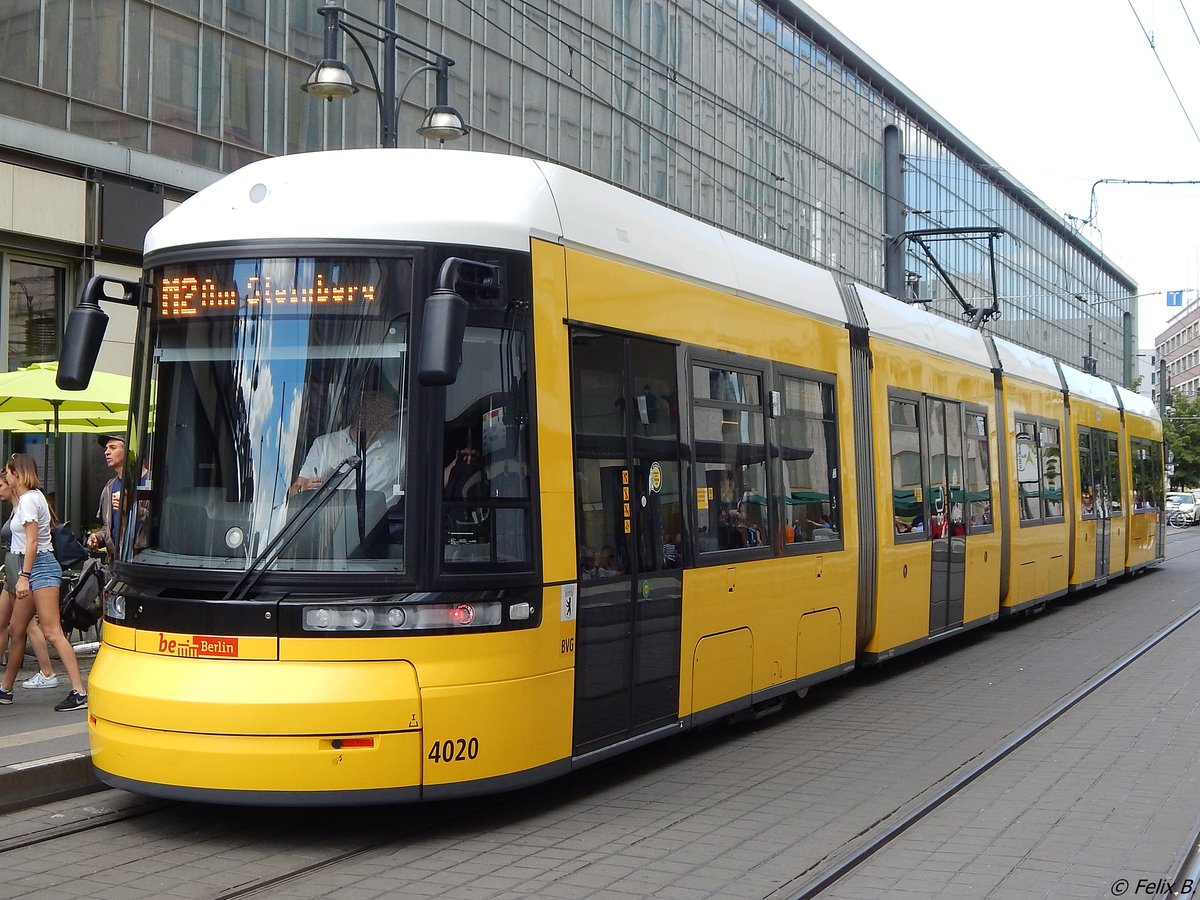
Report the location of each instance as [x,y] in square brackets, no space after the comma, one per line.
[1182,503]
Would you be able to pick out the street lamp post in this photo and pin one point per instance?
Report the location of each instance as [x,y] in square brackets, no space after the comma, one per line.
[1090,362]
[332,79]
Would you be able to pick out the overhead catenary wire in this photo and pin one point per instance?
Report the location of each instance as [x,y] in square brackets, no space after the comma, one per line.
[1191,25]
[1166,74]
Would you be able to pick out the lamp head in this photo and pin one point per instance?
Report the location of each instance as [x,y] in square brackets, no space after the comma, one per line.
[442,123]
[330,79]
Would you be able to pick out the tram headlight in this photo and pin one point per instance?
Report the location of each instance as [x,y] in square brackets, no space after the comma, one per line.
[317,618]
[392,617]
[114,607]
[334,618]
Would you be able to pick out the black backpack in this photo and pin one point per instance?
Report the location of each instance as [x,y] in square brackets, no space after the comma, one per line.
[82,602]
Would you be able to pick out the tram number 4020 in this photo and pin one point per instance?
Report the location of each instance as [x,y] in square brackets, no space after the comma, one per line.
[455,750]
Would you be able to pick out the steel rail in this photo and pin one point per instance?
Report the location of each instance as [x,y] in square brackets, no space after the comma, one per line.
[872,843]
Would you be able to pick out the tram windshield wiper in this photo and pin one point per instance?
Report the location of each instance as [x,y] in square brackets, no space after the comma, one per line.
[259,565]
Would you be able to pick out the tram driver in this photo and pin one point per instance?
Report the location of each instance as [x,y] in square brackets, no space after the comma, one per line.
[371,435]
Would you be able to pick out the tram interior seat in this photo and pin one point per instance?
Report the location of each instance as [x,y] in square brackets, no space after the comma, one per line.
[200,520]
[332,532]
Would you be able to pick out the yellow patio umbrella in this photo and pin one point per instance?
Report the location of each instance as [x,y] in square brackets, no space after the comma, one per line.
[68,423]
[32,390]
[29,396]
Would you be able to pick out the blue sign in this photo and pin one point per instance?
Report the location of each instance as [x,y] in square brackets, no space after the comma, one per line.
[1174,298]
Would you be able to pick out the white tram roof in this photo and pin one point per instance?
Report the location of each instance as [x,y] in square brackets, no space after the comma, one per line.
[1081,384]
[366,195]
[907,324]
[1138,404]
[484,199]
[1021,362]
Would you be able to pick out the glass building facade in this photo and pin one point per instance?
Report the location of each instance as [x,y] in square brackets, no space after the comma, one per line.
[758,117]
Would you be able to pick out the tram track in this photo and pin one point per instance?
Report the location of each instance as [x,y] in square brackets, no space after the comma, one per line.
[429,825]
[875,838]
[143,807]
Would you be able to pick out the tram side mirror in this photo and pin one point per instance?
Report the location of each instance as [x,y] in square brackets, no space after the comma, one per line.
[442,338]
[86,327]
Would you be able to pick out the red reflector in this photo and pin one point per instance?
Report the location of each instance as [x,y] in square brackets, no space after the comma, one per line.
[91,720]
[463,614]
[358,742]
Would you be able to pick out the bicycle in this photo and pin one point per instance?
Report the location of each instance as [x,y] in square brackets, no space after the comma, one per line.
[1178,519]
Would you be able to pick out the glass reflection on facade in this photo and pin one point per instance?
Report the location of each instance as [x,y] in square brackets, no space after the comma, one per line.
[759,120]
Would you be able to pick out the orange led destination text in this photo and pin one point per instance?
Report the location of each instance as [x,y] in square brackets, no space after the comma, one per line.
[188,295]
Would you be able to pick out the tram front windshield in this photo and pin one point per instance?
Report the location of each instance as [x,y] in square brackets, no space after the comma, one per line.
[277,410]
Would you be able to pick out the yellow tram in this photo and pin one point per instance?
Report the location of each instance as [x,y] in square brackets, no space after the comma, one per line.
[461,471]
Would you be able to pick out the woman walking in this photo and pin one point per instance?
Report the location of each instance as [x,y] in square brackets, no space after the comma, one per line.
[38,584]
[13,563]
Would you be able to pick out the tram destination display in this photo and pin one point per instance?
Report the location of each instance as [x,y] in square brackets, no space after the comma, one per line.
[187,294]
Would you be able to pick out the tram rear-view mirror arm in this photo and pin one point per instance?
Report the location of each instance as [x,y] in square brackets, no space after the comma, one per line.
[445,316]
[86,327]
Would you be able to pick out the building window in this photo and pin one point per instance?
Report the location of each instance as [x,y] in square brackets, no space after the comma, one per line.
[35,294]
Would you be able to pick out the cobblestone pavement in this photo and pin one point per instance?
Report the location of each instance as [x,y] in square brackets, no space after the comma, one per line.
[750,811]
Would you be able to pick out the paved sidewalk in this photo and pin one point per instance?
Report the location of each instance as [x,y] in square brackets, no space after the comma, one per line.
[43,753]
[1104,800]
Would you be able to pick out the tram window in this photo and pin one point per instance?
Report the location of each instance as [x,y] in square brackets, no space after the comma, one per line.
[1029,473]
[1138,454]
[1147,474]
[1099,481]
[979,472]
[1154,476]
[808,447]
[485,461]
[908,505]
[657,492]
[252,388]
[1087,481]
[1114,475]
[731,459]
[1052,481]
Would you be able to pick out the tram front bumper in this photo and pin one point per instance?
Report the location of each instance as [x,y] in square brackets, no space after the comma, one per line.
[264,726]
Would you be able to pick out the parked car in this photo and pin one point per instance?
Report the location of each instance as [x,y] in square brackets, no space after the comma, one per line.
[1184,503]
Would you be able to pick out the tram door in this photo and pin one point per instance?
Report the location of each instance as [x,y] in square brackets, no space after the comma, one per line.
[947,514]
[629,536]
[1106,473]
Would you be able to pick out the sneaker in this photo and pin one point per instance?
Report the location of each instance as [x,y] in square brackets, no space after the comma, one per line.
[5,696]
[73,700]
[41,681]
